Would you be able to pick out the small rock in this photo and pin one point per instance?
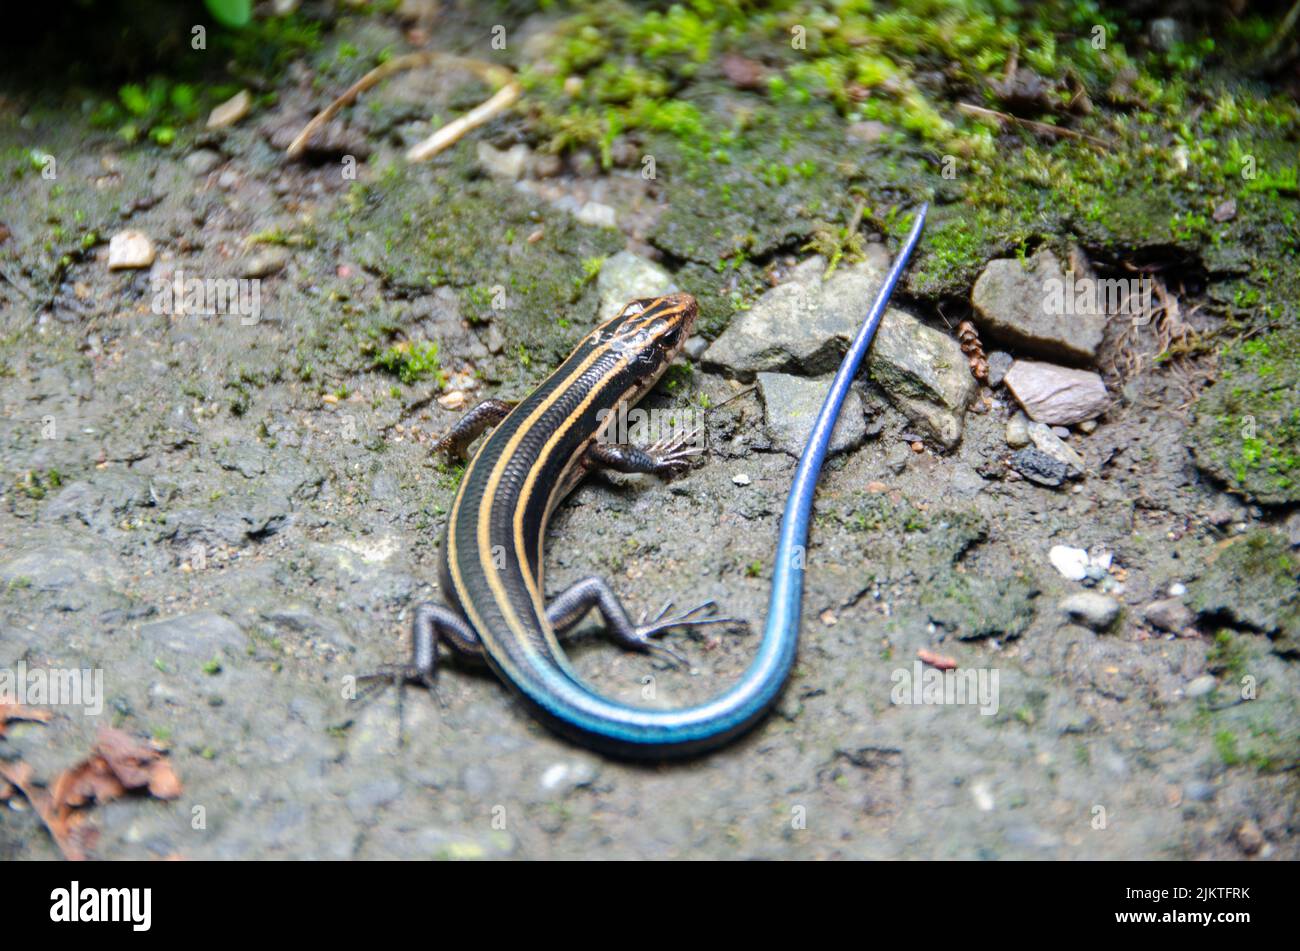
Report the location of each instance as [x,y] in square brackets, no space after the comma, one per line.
[695,347]
[1037,466]
[1200,687]
[597,214]
[1225,211]
[130,249]
[1072,563]
[202,161]
[741,479]
[1018,431]
[1057,395]
[1024,304]
[1095,610]
[1177,589]
[1248,837]
[1199,791]
[791,406]
[509,164]
[265,262]
[1168,614]
[626,277]
[547,165]
[743,72]
[999,363]
[1048,442]
[1087,427]
[231,111]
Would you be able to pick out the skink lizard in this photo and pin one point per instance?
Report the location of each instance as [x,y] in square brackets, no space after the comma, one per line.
[538,450]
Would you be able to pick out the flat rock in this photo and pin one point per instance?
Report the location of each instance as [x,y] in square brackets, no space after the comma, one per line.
[1057,396]
[792,404]
[204,634]
[231,111]
[1018,431]
[1071,562]
[1014,303]
[626,277]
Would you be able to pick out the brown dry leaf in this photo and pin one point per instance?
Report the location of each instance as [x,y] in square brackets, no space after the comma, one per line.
[9,712]
[117,763]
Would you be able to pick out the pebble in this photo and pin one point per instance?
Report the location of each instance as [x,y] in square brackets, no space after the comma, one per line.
[1098,611]
[1199,791]
[130,249]
[1047,441]
[202,161]
[266,262]
[597,214]
[1039,467]
[1201,686]
[508,164]
[1018,431]
[1168,614]
[741,479]
[1177,589]
[1057,395]
[231,111]
[1072,563]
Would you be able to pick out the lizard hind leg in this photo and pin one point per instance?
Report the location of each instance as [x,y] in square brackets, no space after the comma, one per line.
[432,623]
[572,605]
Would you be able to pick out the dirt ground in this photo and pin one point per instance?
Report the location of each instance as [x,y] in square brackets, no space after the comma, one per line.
[231,517]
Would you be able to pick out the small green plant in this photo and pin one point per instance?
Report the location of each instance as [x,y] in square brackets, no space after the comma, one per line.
[412,362]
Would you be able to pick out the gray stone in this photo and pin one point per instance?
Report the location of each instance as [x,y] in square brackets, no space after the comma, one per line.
[1097,611]
[1037,466]
[1168,614]
[1201,686]
[1045,440]
[1057,395]
[924,373]
[805,325]
[204,634]
[627,277]
[792,404]
[999,363]
[1017,302]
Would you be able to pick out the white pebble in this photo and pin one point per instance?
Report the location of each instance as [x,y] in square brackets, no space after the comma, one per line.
[129,249]
[741,479]
[1072,563]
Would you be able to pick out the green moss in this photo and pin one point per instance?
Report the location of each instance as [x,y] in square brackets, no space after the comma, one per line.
[1246,427]
[1253,583]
